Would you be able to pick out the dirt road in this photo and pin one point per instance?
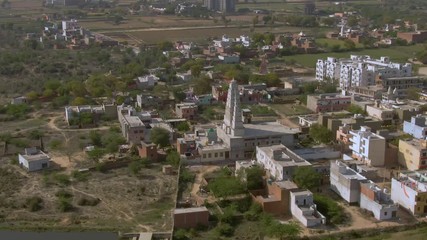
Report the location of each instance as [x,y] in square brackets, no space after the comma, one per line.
[198,180]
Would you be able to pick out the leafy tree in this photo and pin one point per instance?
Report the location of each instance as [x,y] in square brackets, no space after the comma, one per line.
[309,88]
[136,165]
[202,85]
[36,134]
[32,95]
[320,134]
[352,21]
[226,186]
[225,229]
[183,127]
[173,158]
[254,177]
[95,138]
[333,212]
[413,93]
[78,101]
[165,45]
[96,154]
[179,95]
[307,177]
[160,136]
[196,70]
[355,109]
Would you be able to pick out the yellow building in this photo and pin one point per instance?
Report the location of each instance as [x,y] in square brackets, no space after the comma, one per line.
[413,154]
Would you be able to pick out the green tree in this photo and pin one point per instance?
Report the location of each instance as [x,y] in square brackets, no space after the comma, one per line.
[202,85]
[183,127]
[254,177]
[173,158]
[355,109]
[226,186]
[32,95]
[320,134]
[95,138]
[160,137]
[333,212]
[306,177]
[413,93]
[78,101]
[196,70]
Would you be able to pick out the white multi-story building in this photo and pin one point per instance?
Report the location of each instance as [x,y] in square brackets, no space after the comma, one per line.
[359,71]
[416,127]
[409,190]
[346,182]
[368,147]
[279,161]
[377,200]
[327,69]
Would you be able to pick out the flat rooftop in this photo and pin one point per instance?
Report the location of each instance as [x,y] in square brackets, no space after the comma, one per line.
[266,129]
[189,210]
[133,121]
[36,157]
[286,185]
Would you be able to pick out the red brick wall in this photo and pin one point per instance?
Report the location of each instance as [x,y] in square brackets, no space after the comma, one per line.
[191,219]
[367,192]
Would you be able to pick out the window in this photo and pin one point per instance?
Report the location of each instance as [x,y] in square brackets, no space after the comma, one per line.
[204,155]
[209,155]
[221,154]
[216,154]
[385,213]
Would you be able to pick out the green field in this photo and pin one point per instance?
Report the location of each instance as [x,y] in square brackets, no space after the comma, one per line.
[417,234]
[397,54]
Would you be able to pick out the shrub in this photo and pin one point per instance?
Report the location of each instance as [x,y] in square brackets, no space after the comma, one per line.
[88,201]
[62,179]
[333,212]
[63,194]
[101,167]
[224,229]
[64,205]
[34,204]
[80,176]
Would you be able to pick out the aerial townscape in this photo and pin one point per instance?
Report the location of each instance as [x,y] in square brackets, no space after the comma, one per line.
[213,119]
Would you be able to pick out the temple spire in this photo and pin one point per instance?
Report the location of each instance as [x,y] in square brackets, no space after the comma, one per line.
[233,122]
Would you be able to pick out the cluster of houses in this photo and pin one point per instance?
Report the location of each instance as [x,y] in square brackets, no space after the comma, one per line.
[69,34]
[406,30]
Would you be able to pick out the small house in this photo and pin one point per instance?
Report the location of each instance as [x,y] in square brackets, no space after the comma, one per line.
[34,159]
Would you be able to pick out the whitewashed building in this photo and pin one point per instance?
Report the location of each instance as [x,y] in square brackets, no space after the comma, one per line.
[359,71]
[34,160]
[304,209]
[346,182]
[416,127]
[409,190]
[377,200]
[279,161]
[368,147]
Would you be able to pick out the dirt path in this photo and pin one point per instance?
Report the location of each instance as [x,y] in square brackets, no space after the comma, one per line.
[422,71]
[198,180]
